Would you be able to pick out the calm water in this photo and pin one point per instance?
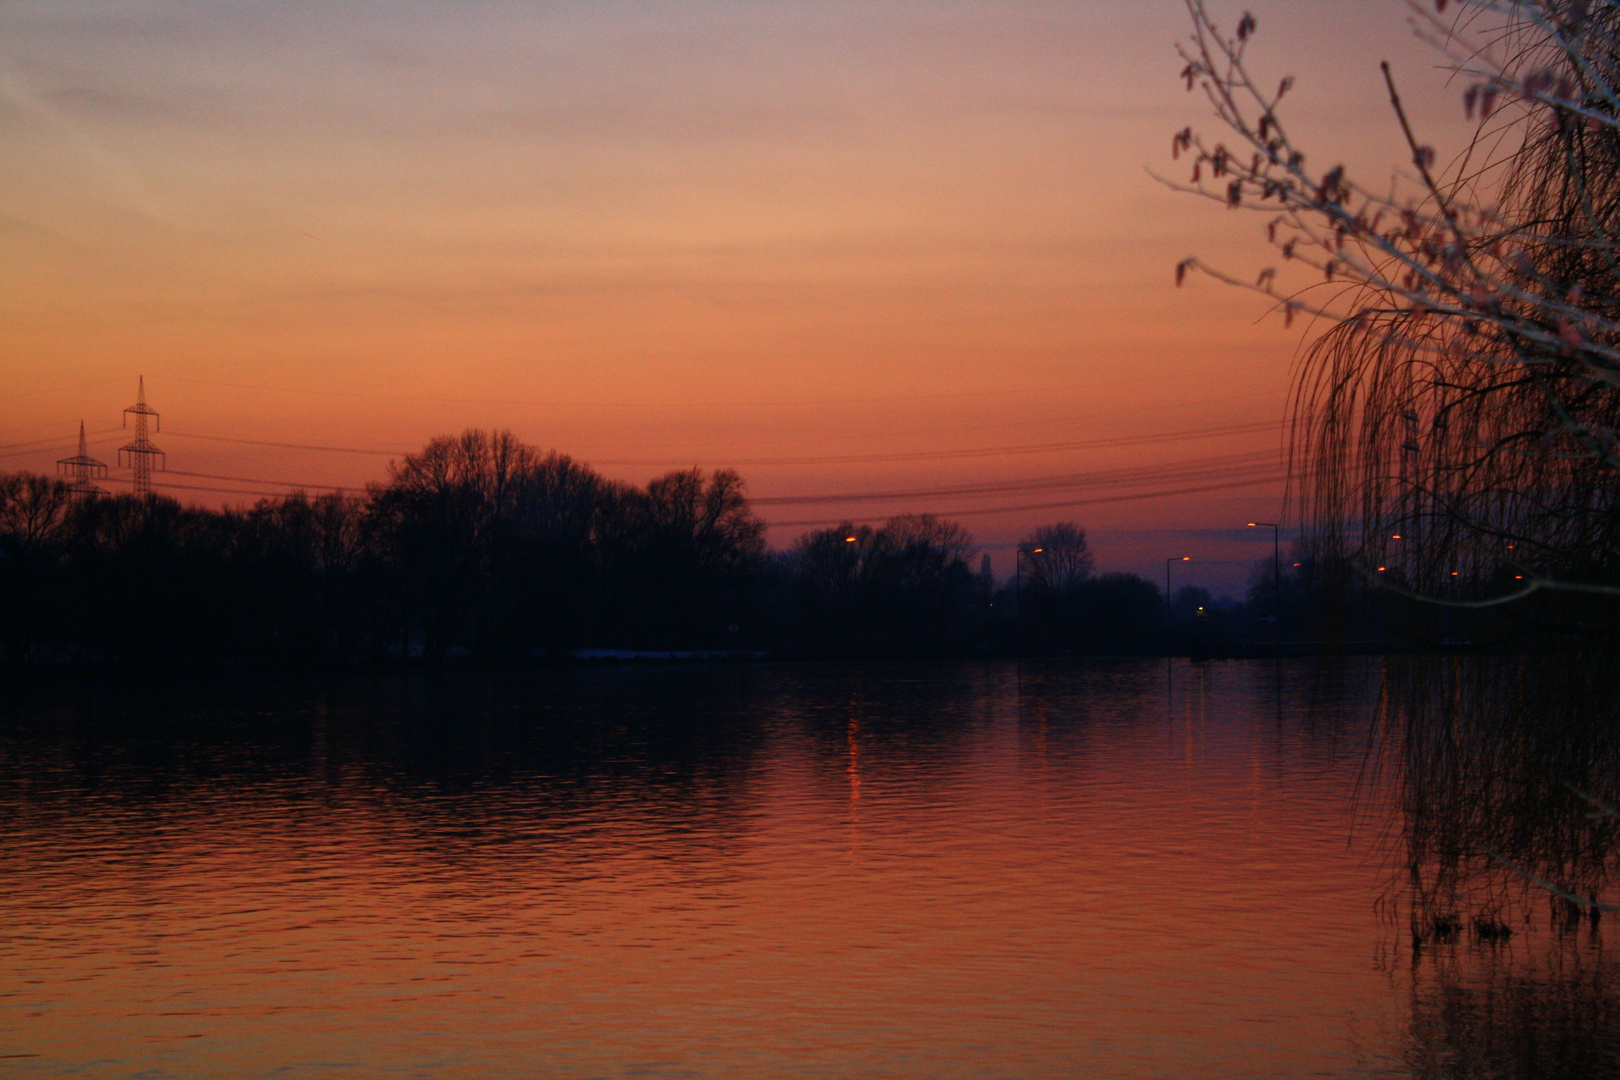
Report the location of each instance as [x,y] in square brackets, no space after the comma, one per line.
[1099,870]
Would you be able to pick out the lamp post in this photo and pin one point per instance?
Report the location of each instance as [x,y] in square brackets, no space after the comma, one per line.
[1167,562]
[1018,580]
[1276,573]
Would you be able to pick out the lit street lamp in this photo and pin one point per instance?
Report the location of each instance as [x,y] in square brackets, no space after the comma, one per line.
[1018,579]
[1167,562]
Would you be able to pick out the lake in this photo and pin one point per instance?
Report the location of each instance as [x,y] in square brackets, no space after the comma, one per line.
[1122,869]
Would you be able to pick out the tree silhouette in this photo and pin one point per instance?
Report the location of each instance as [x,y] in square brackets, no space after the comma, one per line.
[1055,557]
[904,588]
[1459,418]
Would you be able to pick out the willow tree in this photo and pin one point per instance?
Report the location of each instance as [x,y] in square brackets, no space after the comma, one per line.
[1457,421]
[1455,425]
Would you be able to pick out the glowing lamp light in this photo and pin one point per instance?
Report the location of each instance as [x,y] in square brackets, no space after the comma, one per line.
[849,539]
[1380,569]
[1395,536]
[1036,551]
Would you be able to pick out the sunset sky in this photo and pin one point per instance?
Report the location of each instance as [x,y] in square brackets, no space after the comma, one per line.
[870,248]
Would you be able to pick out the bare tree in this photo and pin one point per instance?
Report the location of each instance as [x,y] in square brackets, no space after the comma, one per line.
[1056,557]
[707,517]
[32,508]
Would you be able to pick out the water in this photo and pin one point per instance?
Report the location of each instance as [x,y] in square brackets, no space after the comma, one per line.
[1002,870]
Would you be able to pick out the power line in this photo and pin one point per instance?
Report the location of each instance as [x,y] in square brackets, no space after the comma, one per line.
[41,446]
[979,512]
[1230,465]
[255,480]
[555,403]
[982,451]
[167,485]
[1067,503]
[289,445]
[1021,424]
[1218,468]
[1021,449]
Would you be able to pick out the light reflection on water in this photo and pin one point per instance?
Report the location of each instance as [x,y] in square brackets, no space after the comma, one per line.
[1000,870]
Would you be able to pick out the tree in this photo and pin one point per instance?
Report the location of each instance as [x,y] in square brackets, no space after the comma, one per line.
[1457,425]
[561,509]
[33,509]
[299,562]
[707,520]
[490,538]
[1053,564]
[1119,614]
[1459,418]
[445,514]
[694,547]
[906,587]
[1058,557]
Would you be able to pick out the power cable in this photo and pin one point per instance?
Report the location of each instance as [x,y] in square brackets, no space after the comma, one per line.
[1222,467]
[982,451]
[1067,503]
[56,445]
[554,403]
[1022,449]
[158,483]
[287,445]
[1001,425]
[1214,468]
[254,480]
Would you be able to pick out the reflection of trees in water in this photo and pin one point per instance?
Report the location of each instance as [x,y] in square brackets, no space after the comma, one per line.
[454,763]
[1542,1010]
[1493,754]
[909,719]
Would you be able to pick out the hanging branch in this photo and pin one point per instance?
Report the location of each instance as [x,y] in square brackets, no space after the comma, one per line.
[1467,387]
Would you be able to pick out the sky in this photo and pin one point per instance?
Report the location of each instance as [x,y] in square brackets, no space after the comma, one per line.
[879,257]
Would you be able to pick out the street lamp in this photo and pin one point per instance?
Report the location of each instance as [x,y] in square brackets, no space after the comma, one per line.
[1276,572]
[1167,562]
[1018,578]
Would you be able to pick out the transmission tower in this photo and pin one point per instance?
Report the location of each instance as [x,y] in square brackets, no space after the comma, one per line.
[84,470]
[141,451]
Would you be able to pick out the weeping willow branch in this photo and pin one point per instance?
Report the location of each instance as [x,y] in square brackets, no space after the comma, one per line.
[1579,901]
[1464,401]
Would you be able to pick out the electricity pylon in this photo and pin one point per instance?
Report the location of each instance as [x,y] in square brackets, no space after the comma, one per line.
[84,470]
[141,451]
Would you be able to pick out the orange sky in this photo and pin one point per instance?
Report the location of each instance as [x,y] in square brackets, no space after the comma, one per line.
[845,247]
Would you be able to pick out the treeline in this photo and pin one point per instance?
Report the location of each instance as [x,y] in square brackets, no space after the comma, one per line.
[486,548]
[483,547]
[490,549]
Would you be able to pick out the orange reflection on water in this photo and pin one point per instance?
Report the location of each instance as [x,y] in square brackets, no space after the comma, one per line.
[1047,884]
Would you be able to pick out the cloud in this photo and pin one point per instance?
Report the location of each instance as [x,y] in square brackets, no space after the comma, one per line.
[113,173]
